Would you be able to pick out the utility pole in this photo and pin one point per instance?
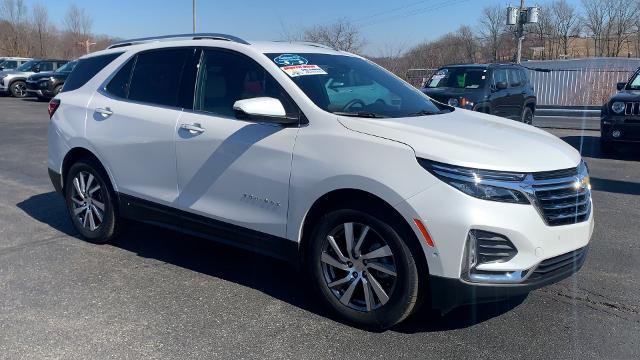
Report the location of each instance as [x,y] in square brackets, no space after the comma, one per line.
[87,45]
[193,7]
[520,33]
[519,17]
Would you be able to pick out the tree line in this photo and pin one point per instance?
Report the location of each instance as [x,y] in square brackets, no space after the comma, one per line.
[29,32]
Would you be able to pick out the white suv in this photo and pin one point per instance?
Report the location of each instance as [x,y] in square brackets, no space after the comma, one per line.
[386,202]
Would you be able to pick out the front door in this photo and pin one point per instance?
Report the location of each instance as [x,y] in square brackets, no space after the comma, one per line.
[232,171]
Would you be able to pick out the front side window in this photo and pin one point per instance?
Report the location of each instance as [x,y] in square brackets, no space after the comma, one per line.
[351,86]
[514,78]
[225,77]
[459,78]
[156,76]
[500,76]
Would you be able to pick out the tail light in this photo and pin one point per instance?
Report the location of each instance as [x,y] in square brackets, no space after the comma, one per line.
[54,104]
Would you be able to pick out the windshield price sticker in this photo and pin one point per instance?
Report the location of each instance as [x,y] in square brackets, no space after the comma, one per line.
[303,70]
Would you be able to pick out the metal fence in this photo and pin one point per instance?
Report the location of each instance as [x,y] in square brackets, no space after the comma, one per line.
[561,84]
[576,87]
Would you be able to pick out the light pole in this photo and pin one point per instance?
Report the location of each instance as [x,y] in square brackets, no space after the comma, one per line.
[519,17]
[193,7]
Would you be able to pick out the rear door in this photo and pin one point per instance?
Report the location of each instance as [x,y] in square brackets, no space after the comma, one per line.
[132,121]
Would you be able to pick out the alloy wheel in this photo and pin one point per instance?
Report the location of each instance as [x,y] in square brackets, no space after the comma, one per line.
[358,266]
[88,199]
[20,90]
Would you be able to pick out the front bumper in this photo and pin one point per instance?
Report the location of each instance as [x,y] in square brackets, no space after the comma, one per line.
[449,215]
[38,89]
[627,126]
[449,293]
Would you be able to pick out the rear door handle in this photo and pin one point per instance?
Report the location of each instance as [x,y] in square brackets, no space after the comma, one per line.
[193,128]
[106,112]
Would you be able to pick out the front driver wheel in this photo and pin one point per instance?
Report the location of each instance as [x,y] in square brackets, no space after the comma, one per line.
[90,202]
[18,89]
[363,269]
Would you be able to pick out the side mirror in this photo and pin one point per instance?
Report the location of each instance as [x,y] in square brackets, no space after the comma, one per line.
[501,85]
[620,86]
[263,109]
[35,68]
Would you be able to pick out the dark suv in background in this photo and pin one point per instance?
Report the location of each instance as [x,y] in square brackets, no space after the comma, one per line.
[48,84]
[620,116]
[497,89]
[15,82]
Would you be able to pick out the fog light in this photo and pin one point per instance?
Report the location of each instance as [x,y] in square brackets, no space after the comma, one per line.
[616,133]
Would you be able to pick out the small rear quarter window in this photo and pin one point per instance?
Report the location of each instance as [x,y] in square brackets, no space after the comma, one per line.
[87,69]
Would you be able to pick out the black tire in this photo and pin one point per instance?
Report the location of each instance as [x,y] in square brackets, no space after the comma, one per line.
[18,89]
[403,297]
[110,223]
[527,115]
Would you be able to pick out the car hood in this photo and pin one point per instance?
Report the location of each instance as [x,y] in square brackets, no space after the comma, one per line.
[626,95]
[41,75]
[473,139]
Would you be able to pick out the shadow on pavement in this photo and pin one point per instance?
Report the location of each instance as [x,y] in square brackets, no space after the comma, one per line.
[589,146]
[270,276]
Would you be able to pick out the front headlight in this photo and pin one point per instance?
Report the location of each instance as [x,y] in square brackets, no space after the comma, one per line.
[617,107]
[483,184]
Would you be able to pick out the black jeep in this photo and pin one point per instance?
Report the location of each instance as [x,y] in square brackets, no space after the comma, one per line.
[620,116]
[498,89]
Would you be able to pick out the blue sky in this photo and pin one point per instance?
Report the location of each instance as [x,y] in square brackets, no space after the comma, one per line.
[385,24]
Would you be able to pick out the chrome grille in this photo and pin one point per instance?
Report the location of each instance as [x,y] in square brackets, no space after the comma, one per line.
[632,108]
[559,200]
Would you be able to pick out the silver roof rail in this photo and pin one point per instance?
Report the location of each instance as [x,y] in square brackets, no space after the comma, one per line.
[309,43]
[195,36]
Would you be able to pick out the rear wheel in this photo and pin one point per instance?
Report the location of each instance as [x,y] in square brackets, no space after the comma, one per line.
[91,202]
[527,115]
[18,89]
[362,269]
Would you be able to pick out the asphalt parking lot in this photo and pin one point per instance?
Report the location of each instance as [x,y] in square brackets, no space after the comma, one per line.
[158,294]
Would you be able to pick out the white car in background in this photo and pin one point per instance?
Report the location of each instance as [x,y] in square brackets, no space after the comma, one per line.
[386,204]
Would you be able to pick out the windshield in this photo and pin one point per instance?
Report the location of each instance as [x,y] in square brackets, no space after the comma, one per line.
[350,86]
[634,83]
[458,77]
[27,66]
[67,68]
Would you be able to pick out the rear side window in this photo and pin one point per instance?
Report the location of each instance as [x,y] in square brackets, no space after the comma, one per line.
[10,64]
[156,76]
[499,75]
[45,66]
[87,69]
[514,78]
[119,84]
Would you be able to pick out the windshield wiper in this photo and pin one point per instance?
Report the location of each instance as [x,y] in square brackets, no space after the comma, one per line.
[427,112]
[365,114]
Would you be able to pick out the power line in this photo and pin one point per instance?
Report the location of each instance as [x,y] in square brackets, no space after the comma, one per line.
[415,12]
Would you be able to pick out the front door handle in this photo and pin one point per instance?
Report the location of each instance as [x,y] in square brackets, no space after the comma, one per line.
[192,128]
[106,112]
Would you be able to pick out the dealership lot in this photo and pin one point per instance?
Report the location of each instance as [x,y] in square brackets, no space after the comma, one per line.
[158,294]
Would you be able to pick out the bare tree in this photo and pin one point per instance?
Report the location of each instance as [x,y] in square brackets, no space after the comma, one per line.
[41,26]
[78,25]
[341,35]
[622,18]
[469,43]
[595,20]
[492,26]
[565,23]
[14,14]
